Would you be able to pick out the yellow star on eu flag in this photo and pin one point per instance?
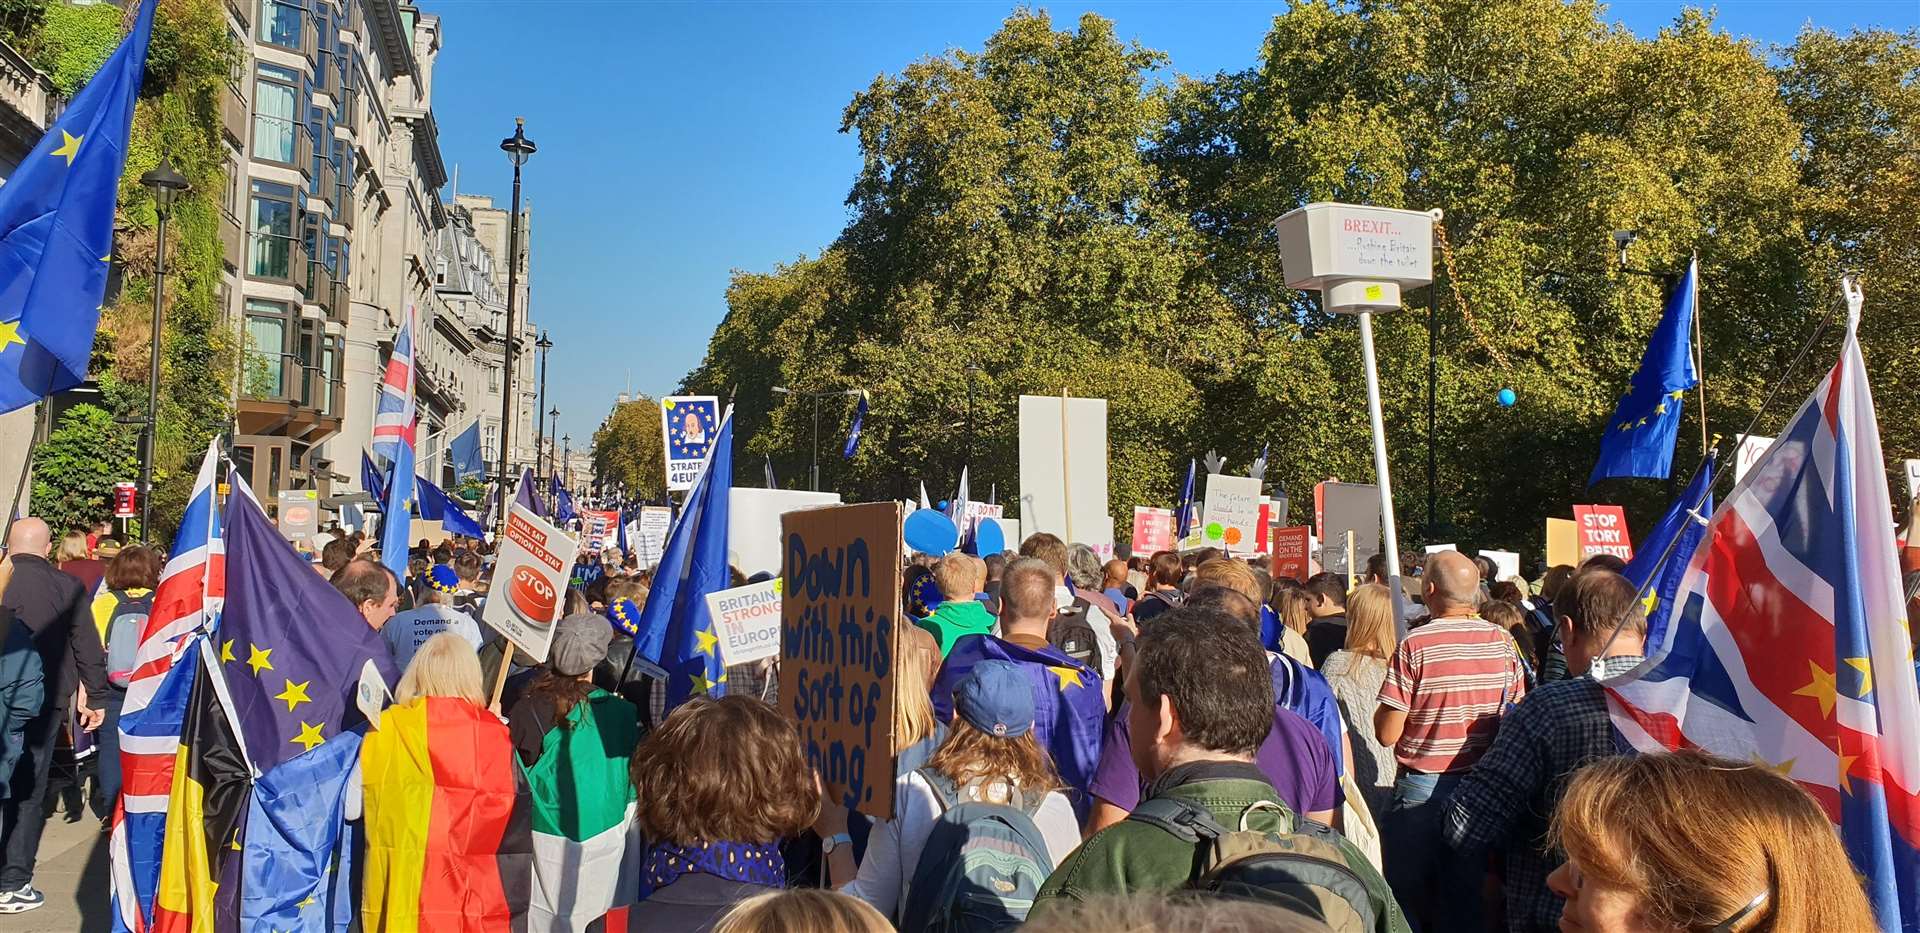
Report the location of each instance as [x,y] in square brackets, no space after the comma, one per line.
[702,685]
[1067,675]
[10,335]
[69,146]
[309,902]
[258,658]
[1865,667]
[295,694]
[309,736]
[1677,394]
[1660,409]
[226,651]
[707,640]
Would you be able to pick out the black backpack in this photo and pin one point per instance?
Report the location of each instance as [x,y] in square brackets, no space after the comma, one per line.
[1302,868]
[1072,632]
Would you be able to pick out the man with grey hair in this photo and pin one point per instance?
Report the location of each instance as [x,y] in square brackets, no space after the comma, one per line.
[1070,697]
[55,608]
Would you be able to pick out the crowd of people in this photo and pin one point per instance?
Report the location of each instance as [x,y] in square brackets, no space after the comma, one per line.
[1175,741]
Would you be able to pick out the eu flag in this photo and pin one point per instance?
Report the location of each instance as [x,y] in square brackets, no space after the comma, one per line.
[370,479]
[853,433]
[396,509]
[291,648]
[563,511]
[676,630]
[1183,519]
[56,230]
[1639,436]
[467,462]
[525,496]
[436,506]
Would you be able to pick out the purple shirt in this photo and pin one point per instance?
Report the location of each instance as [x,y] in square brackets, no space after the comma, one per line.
[1294,758]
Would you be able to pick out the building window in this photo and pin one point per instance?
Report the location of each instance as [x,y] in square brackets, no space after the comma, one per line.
[237,76]
[270,227]
[276,104]
[266,349]
[493,378]
[330,373]
[280,23]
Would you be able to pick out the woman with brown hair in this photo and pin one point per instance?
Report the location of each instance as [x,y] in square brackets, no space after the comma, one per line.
[120,614]
[1355,673]
[719,785]
[1687,841]
[804,910]
[992,757]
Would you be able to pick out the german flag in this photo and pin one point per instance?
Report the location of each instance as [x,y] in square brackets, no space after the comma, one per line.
[206,806]
[449,833]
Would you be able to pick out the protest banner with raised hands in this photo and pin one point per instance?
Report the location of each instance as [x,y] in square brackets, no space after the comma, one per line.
[840,605]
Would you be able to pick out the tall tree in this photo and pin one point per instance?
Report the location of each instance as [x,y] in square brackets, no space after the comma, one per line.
[626,449]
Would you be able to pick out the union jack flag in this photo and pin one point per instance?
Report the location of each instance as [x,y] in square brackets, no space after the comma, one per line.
[1788,643]
[393,421]
[188,599]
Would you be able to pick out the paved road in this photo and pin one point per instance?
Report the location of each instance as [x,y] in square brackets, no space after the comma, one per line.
[73,874]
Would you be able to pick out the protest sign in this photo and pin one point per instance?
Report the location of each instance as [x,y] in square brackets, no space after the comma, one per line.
[748,620]
[1152,530]
[1290,553]
[299,514]
[1563,543]
[840,599]
[1506,564]
[1751,449]
[753,524]
[1433,549]
[647,535]
[1063,470]
[529,576]
[1230,513]
[1344,507]
[1913,479]
[599,529]
[1603,530]
[688,424]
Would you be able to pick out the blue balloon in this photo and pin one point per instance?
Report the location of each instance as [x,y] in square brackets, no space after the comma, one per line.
[987,539]
[943,505]
[1507,398]
[930,532]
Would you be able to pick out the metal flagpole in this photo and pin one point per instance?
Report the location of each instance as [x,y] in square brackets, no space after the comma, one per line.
[1390,534]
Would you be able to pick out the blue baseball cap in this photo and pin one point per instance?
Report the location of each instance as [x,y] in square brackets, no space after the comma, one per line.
[996,698]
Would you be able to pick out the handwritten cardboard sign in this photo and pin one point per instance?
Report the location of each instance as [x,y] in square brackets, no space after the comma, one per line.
[748,619]
[1912,469]
[839,607]
[1152,530]
[1290,552]
[1230,514]
[1603,530]
[1752,448]
[529,580]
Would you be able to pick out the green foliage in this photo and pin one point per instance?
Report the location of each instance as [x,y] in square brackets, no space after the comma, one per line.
[75,469]
[1043,210]
[178,116]
[626,449]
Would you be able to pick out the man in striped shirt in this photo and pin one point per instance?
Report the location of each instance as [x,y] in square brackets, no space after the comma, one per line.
[1440,706]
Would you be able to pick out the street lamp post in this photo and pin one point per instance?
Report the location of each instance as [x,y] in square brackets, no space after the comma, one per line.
[566,462]
[518,149]
[540,404]
[167,186]
[816,397]
[553,440]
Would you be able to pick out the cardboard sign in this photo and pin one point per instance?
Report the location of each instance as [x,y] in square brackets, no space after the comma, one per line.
[1291,551]
[1913,479]
[647,535]
[1230,513]
[599,529]
[1506,564]
[1433,549]
[748,620]
[529,581]
[1343,507]
[1752,448]
[1603,530]
[1563,547]
[299,514]
[1063,470]
[687,426]
[839,608]
[753,523]
[1152,530]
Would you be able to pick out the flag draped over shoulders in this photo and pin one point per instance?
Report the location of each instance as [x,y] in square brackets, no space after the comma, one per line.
[585,848]
[446,831]
[1070,706]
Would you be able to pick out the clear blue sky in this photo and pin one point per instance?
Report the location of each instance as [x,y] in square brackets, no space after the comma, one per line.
[681,141]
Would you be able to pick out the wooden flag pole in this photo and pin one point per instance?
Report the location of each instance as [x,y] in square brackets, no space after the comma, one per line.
[500,679]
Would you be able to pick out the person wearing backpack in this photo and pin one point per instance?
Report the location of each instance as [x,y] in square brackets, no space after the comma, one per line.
[1164,575]
[120,613]
[1200,703]
[1069,697]
[977,830]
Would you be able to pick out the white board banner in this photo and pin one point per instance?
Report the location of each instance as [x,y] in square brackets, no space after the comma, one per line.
[1230,513]
[1506,564]
[747,619]
[1433,549]
[753,524]
[1752,448]
[531,574]
[647,533]
[1063,470]
[1913,479]
[1348,507]
[688,424]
